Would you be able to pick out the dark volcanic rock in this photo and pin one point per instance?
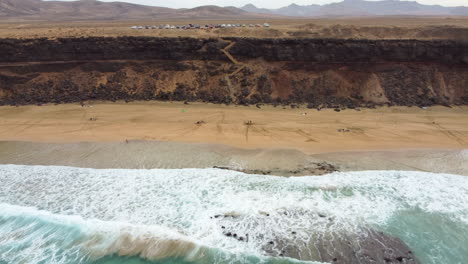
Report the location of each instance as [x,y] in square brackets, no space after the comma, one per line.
[366,247]
[319,73]
[351,50]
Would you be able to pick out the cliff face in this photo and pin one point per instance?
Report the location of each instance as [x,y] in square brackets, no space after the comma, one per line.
[318,72]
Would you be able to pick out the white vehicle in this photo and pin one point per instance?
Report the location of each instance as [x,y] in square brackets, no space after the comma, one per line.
[172,27]
[167,27]
[140,27]
[134,27]
[266,25]
[223,25]
[228,25]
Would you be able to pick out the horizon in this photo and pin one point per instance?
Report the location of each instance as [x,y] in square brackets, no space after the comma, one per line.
[269,4]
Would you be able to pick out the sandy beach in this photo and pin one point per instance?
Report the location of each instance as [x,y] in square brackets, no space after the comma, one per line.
[307,130]
[280,141]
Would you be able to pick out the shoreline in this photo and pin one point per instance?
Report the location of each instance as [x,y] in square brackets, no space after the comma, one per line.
[279,141]
[278,162]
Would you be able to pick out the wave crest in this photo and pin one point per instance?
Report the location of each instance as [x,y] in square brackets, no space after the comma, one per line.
[28,235]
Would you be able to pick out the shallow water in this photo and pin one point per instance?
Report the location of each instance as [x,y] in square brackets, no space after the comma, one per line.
[71,215]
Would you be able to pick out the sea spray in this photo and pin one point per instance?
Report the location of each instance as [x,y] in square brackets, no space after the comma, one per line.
[200,207]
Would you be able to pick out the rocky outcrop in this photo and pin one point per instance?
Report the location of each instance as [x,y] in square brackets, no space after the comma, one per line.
[351,51]
[367,246]
[315,72]
[325,242]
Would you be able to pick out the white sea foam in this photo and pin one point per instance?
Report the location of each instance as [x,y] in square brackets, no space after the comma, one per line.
[200,205]
[85,239]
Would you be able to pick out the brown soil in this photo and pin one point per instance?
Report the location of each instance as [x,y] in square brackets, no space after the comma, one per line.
[362,28]
[322,73]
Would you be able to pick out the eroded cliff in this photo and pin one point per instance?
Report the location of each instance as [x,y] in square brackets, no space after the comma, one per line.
[316,72]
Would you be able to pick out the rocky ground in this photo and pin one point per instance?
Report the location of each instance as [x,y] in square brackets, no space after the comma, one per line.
[320,73]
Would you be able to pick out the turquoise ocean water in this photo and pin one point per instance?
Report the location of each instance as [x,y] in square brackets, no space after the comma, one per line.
[70,215]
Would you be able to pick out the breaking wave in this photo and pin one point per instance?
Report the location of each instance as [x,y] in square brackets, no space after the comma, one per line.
[73,215]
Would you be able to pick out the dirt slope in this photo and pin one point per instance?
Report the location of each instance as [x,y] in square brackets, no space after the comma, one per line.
[316,72]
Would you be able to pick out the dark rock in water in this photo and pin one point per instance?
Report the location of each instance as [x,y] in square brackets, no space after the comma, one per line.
[368,246]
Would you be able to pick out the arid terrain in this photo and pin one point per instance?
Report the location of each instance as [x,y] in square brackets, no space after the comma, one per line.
[315,90]
[310,131]
[121,142]
[279,141]
[361,28]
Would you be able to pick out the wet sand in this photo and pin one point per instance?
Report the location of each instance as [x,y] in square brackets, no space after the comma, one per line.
[280,141]
[174,155]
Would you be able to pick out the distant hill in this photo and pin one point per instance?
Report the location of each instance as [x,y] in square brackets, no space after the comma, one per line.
[363,8]
[96,10]
[39,10]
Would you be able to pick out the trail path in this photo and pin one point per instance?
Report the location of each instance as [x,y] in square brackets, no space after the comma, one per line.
[226,52]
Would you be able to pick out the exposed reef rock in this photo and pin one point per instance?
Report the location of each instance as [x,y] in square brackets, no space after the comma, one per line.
[368,246]
[358,245]
[316,72]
